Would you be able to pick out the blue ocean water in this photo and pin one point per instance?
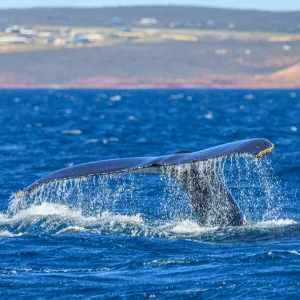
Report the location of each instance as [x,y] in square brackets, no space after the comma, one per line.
[139,239]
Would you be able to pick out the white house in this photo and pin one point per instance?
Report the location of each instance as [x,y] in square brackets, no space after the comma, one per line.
[148,21]
[12,29]
[13,40]
[28,32]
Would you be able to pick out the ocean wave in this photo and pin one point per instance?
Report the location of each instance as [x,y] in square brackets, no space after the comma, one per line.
[289,252]
[58,219]
[275,223]
[6,233]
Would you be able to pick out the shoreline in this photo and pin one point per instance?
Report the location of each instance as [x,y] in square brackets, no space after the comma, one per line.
[286,78]
[143,87]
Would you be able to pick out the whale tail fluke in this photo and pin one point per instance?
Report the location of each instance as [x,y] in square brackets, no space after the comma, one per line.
[212,201]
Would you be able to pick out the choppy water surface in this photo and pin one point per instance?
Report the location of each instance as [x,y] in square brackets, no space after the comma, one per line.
[134,236]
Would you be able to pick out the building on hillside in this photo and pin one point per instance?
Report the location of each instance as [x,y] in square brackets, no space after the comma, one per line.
[177,24]
[44,34]
[28,32]
[80,38]
[13,40]
[178,37]
[56,41]
[4,28]
[148,22]
[95,37]
[12,29]
[128,34]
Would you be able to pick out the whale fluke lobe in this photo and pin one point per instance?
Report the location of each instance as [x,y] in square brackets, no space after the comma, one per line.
[201,186]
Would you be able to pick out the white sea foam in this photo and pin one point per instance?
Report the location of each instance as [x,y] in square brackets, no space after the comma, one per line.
[186,227]
[63,211]
[116,98]
[40,218]
[8,234]
[176,96]
[48,209]
[249,96]
[120,225]
[275,223]
[74,220]
[72,131]
[72,229]
[294,252]
[113,218]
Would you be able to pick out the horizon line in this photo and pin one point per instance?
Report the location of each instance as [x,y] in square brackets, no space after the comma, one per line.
[148,5]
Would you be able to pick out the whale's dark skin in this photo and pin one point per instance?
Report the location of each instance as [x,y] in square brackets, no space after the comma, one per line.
[201,188]
[212,202]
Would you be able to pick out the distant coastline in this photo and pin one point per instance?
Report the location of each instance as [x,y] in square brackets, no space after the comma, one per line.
[287,78]
[149,47]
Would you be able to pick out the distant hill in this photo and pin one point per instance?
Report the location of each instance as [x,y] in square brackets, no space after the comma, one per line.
[155,64]
[166,16]
[230,48]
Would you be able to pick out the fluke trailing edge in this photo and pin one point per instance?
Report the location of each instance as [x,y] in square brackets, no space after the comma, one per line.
[201,187]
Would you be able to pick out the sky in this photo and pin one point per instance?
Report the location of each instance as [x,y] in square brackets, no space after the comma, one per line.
[256,4]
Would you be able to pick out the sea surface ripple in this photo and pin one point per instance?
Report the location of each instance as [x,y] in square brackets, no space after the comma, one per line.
[139,239]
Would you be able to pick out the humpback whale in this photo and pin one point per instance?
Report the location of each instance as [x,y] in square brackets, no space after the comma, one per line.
[201,186]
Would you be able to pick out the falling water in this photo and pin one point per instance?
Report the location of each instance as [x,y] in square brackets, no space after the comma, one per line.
[250,181]
[253,184]
[91,195]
